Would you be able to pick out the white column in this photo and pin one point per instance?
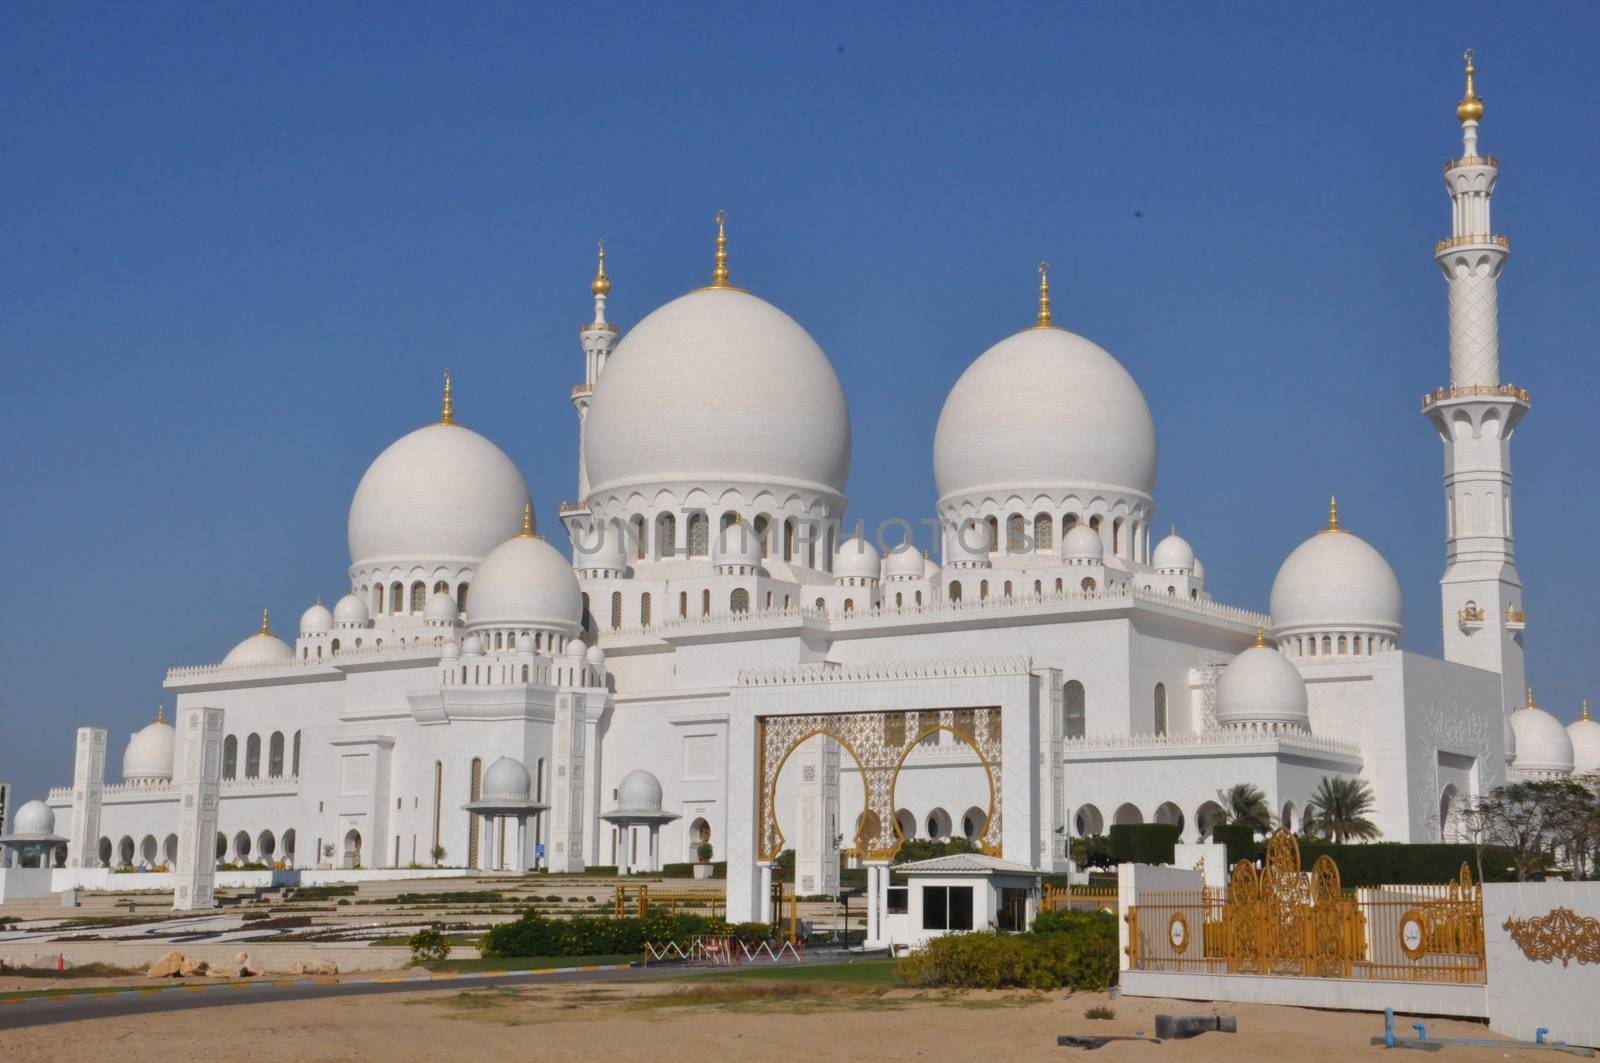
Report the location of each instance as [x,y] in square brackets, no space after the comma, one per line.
[520,864]
[199,795]
[655,847]
[764,906]
[88,780]
[874,906]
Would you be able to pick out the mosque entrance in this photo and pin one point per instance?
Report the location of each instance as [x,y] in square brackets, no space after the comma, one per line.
[878,743]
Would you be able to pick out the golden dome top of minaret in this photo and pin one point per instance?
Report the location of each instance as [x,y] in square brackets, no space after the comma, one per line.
[1470,109]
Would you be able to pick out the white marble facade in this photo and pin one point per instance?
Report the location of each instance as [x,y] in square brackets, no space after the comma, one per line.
[716,579]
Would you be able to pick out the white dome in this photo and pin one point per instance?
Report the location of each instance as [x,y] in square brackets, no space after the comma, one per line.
[595,656]
[441,608]
[150,753]
[1584,735]
[712,366]
[34,818]
[451,650]
[1199,573]
[577,648]
[967,544]
[524,643]
[1333,581]
[472,646]
[639,791]
[316,620]
[261,648]
[856,559]
[525,582]
[1543,745]
[1173,552]
[602,546]
[905,562]
[1510,739]
[352,611]
[1262,686]
[737,544]
[1083,543]
[441,493]
[1041,410]
[506,779]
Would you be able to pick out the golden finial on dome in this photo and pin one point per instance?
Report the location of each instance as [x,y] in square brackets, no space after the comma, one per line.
[601,285]
[527,522]
[1333,513]
[1044,296]
[161,712]
[1470,109]
[265,629]
[719,276]
[1530,704]
[1585,708]
[1260,641]
[448,415]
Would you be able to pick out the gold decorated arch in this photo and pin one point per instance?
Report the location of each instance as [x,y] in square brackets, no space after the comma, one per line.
[879,743]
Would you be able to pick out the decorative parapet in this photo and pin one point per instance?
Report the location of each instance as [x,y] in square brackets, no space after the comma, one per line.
[885,671]
[941,608]
[170,789]
[1473,240]
[394,649]
[1562,934]
[1472,614]
[599,326]
[1204,740]
[1471,160]
[574,507]
[1475,391]
[582,389]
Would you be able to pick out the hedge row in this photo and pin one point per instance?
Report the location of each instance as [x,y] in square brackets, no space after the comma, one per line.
[1076,950]
[537,935]
[1397,863]
[1143,843]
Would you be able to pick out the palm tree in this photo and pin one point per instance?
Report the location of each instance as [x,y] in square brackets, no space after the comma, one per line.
[1245,803]
[1339,810]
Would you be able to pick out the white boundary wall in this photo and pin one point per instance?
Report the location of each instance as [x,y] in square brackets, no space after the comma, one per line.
[1526,994]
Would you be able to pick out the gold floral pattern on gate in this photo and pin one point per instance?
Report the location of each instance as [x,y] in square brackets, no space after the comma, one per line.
[1562,934]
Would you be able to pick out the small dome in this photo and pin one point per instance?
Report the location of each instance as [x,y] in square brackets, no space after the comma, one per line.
[1173,554]
[261,648]
[351,611]
[525,582]
[1333,581]
[1083,543]
[149,755]
[316,620]
[737,544]
[577,648]
[856,559]
[1044,410]
[443,493]
[601,547]
[451,650]
[440,608]
[716,365]
[1585,737]
[905,562]
[596,656]
[1543,745]
[639,791]
[1262,686]
[967,545]
[1199,573]
[524,643]
[34,818]
[472,646]
[506,780]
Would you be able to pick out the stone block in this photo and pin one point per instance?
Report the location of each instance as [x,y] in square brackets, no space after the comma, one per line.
[1177,1027]
[168,966]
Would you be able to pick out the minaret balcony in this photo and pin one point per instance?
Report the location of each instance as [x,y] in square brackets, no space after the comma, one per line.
[1473,239]
[1471,160]
[1477,391]
[599,326]
[581,390]
[1471,618]
[1516,619]
[568,508]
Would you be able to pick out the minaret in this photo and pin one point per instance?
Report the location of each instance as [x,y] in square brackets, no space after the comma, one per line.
[1476,417]
[599,338]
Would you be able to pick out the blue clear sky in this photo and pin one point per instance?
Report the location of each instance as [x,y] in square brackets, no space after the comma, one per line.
[243,242]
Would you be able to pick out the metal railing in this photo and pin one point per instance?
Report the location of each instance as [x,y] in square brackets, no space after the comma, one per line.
[639,901]
[1079,899]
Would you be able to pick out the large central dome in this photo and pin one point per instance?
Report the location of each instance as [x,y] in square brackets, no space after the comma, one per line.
[718,386]
[1045,409]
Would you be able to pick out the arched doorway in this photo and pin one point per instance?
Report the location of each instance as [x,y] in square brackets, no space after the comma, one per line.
[1207,817]
[1286,817]
[267,846]
[352,848]
[1128,813]
[938,824]
[241,847]
[104,852]
[1169,813]
[1449,820]
[125,852]
[288,846]
[1088,821]
[905,823]
[972,821]
[170,851]
[149,851]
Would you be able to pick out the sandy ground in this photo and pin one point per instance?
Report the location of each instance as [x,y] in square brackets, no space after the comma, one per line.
[667,1023]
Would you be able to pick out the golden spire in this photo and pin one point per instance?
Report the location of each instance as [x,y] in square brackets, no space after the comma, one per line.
[1530,704]
[1470,109]
[448,415]
[265,630]
[1044,296]
[1259,640]
[1585,708]
[601,285]
[527,522]
[719,276]
[161,712]
[1333,514]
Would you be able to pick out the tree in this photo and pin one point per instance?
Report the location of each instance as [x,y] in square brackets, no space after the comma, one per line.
[1520,817]
[1245,803]
[1339,809]
[438,854]
[1093,851]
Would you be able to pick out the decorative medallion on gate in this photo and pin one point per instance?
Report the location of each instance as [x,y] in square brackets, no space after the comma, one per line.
[1562,935]
[879,743]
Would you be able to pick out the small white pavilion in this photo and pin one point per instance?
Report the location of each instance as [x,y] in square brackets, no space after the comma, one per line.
[638,806]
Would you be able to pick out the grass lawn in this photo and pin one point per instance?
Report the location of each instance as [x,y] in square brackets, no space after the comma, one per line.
[526,963]
[859,973]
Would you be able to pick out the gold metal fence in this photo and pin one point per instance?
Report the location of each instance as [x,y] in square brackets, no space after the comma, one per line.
[1079,899]
[1279,920]
[639,901]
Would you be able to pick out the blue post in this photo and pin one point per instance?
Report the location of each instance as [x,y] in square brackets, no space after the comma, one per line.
[1538,1035]
[1422,1030]
[1388,1027]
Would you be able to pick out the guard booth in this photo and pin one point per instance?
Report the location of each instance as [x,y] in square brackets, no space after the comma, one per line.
[957,893]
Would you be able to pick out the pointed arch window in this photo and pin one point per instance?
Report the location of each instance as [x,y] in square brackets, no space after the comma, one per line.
[1043,532]
[1076,712]
[275,755]
[1161,708]
[1016,534]
[616,610]
[295,760]
[699,535]
[644,610]
[230,757]
[252,757]
[739,600]
[762,522]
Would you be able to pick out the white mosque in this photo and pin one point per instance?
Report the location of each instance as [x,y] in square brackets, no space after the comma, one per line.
[724,661]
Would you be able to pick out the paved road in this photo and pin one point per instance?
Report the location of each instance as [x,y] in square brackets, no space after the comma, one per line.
[145,1000]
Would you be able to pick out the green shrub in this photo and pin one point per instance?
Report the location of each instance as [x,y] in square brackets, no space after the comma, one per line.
[537,935]
[751,933]
[1399,863]
[1143,843]
[600,869]
[1093,851]
[1239,839]
[1065,921]
[428,945]
[1084,957]
[926,849]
